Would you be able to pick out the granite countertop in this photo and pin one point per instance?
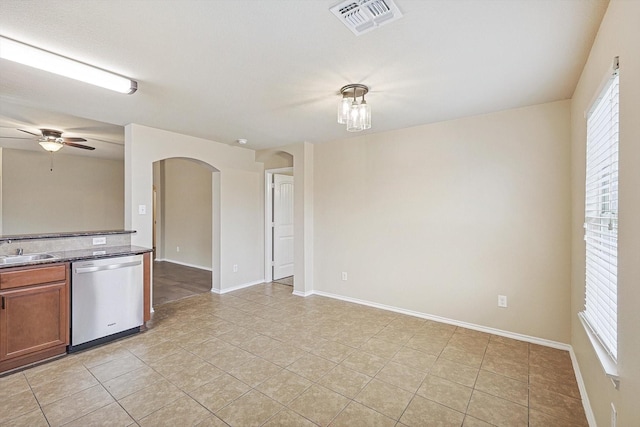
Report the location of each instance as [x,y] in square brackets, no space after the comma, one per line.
[83,255]
[41,236]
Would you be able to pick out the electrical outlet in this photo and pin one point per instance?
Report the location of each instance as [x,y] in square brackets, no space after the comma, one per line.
[99,240]
[142,209]
[344,275]
[235,268]
[502,301]
[177,248]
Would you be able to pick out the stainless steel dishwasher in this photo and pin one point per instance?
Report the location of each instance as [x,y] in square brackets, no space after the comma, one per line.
[106,300]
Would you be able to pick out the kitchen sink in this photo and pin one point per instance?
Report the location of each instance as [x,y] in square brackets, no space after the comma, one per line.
[18,259]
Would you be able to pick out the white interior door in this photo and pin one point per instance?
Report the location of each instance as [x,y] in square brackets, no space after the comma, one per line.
[282,226]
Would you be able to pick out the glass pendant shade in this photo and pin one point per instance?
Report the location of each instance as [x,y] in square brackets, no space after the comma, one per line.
[343,110]
[51,146]
[357,115]
[354,123]
[365,115]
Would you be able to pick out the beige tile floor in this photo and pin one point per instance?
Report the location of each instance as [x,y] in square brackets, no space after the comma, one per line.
[263,357]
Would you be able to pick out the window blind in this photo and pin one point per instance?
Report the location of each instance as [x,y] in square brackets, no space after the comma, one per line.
[601,217]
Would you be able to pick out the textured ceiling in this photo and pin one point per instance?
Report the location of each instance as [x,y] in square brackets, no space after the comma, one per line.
[270,70]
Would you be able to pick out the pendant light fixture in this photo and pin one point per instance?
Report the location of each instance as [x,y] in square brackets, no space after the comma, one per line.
[356,115]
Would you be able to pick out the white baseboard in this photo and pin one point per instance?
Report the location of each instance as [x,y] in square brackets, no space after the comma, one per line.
[591,418]
[186,264]
[236,288]
[480,328]
[304,294]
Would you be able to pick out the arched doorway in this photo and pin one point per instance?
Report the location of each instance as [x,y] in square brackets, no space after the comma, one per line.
[183,228]
[235,186]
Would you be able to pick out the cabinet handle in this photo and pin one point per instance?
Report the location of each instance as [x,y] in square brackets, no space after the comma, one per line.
[3,303]
[81,270]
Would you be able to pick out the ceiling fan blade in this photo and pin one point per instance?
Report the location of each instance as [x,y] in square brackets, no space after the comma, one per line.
[74,139]
[13,137]
[30,133]
[121,144]
[84,147]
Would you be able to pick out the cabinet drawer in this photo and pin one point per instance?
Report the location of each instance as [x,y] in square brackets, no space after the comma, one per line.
[33,276]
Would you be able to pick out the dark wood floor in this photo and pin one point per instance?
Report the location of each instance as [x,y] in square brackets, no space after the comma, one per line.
[285,281]
[172,282]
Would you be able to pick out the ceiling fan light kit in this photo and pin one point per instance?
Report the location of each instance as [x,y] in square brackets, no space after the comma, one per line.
[31,56]
[51,146]
[356,115]
[52,140]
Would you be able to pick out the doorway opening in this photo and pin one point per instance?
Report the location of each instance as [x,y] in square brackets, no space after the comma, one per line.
[279,221]
[182,229]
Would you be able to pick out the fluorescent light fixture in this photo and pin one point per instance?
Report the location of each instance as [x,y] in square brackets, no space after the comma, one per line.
[53,63]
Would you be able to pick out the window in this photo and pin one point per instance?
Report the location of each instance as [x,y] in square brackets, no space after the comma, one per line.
[601,222]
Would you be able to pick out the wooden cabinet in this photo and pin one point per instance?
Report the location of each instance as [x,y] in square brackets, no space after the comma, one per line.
[34,314]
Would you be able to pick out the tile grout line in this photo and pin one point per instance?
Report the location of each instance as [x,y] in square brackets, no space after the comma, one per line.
[279,336]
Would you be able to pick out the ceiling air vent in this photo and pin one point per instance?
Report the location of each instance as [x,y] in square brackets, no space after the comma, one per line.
[361,16]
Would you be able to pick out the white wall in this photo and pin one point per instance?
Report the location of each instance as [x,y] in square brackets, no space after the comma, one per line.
[158,178]
[236,238]
[80,194]
[275,160]
[442,218]
[186,212]
[242,226]
[619,35]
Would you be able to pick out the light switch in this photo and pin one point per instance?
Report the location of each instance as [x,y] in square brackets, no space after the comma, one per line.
[142,209]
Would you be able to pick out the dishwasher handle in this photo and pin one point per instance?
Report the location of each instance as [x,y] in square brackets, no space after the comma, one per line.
[80,270]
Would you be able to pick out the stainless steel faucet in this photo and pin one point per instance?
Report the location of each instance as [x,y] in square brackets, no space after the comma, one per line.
[19,251]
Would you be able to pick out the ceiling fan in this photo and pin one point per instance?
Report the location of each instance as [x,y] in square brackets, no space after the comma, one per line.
[52,140]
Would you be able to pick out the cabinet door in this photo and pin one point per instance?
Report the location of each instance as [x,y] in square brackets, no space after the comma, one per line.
[33,319]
